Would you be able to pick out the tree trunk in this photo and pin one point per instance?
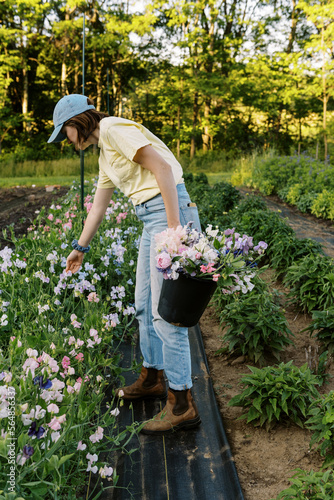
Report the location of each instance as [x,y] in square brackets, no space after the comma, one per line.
[206,134]
[324,92]
[292,34]
[193,136]
[98,70]
[25,100]
[63,76]
[178,131]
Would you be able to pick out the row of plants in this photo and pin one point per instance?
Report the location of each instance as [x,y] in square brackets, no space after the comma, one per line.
[65,331]
[257,329]
[59,339]
[299,180]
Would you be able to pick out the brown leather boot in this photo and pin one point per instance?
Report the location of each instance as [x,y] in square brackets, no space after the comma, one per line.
[180,412]
[150,384]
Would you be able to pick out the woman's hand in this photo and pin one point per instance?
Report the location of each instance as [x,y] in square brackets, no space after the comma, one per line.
[74,261]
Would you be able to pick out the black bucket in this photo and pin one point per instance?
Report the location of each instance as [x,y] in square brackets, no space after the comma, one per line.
[183,301]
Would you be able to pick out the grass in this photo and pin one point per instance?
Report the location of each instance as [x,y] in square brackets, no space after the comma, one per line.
[10,182]
[213,178]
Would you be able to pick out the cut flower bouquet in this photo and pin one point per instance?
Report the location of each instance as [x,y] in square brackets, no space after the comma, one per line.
[212,255]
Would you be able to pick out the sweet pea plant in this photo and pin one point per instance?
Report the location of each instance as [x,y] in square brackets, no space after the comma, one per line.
[214,255]
[59,338]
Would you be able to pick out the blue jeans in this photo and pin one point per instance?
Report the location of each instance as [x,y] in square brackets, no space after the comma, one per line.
[163,346]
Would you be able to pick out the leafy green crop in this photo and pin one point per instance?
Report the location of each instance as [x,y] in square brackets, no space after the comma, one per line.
[322,325]
[321,423]
[256,327]
[277,393]
[310,486]
[311,282]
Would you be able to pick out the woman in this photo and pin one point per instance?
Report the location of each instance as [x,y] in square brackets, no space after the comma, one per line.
[135,161]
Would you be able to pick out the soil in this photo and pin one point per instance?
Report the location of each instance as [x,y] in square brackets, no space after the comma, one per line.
[18,207]
[264,460]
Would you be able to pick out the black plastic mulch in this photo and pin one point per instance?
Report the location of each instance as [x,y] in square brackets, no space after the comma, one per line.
[187,465]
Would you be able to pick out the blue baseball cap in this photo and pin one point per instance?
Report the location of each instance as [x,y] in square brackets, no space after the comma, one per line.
[68,106]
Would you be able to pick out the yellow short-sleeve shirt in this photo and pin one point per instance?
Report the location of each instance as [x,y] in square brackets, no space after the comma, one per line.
[120,139]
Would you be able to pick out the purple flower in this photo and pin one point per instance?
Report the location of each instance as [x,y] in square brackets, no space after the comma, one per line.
[43,385]
[33,432]
[260,247]
[28,451]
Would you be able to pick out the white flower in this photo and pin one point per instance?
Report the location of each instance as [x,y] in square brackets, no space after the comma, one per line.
[92,458]
[90,468]
[106,471]
[115,412]
[53,408]
[55,436]
[97,436]
[81,446]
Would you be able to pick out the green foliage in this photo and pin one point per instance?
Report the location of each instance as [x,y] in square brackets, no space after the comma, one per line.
[310,485]
[262,225]
[322,327]
[215,202]
[321,422]
[298,180]
[287,250]
[294,193]
[249,203]
[306,201]
[277,393]
[323,205]
[311,282]
[256,326]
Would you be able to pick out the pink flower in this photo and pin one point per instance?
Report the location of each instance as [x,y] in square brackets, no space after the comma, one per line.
[66,362]
[210,268]
[67,225]
[50,217]
[163,260]
[120,216]
[93,332]
[203,269]
[79,356]
[92,297]
[54,424]
[215,277]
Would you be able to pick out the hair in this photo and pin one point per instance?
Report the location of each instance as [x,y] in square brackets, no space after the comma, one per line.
[85,123]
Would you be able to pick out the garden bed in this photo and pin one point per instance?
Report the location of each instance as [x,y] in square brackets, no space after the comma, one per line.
[264,460]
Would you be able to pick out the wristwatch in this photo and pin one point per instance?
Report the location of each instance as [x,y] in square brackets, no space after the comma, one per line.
[78,247]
